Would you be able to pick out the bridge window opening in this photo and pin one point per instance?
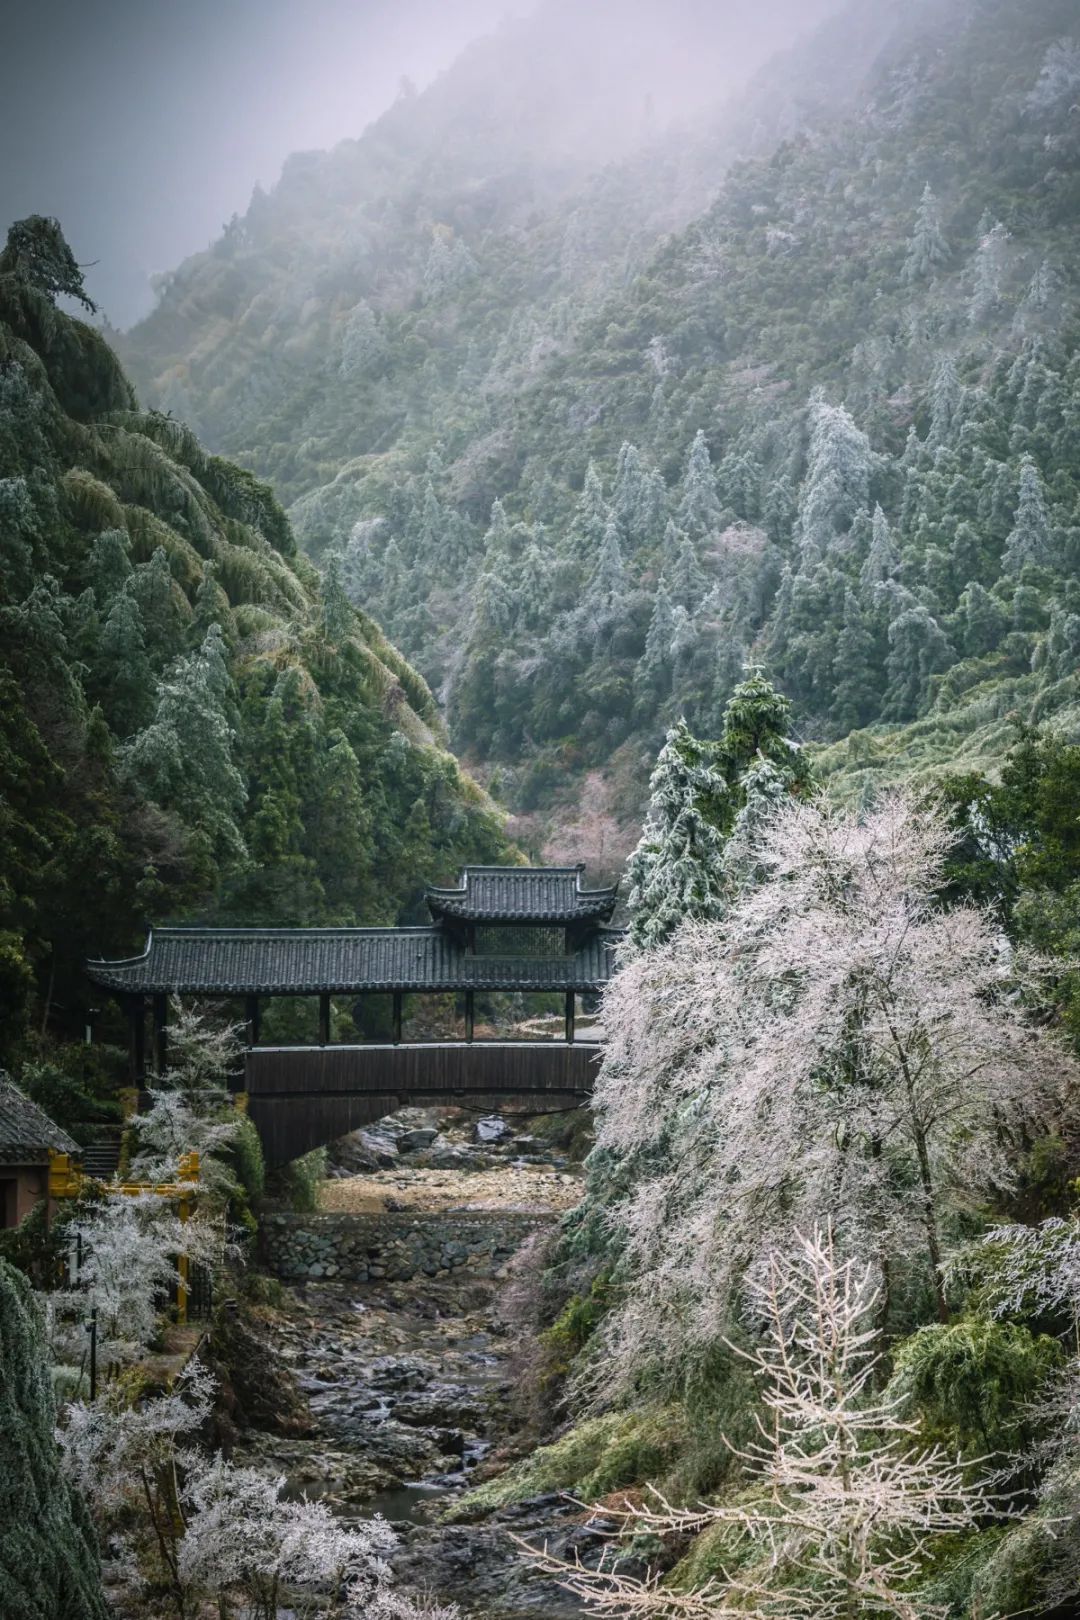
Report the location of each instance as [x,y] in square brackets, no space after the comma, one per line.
[431,1018]
[526,1016]
[289,1021]
[372,1018]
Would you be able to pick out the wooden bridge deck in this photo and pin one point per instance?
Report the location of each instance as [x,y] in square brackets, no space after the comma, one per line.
[301,1097]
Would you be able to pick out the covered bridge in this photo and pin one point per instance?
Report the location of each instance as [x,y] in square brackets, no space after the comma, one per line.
[531,930]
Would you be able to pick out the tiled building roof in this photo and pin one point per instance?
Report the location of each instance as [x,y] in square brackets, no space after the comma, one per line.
[542,894]
[26,1133]
[303,961]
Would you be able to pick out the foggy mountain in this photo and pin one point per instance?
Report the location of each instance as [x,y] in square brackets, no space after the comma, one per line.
[465,305]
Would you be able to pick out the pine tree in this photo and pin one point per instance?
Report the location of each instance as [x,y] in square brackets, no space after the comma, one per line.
[882,562]
[110,565]
[675,871]
[48,1560]
[837,483]
[1030,540]
[653,673]
[128,688]
[590,517]
[699,509]
[338,619]
[918,649]
[184,759]
[855,670]
[928,248]
[946,400]
[991,259]
[688,581]
[984,622]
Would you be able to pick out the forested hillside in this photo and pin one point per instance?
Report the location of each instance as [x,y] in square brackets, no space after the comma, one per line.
[582,475]
[191,724]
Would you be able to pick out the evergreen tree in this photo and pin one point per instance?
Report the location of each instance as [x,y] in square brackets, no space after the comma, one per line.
[338,616]
[991,260]
[699,509]
[48,1559]
[1030,539]
[110,565]
[184,759]
[675,871]
[590,517]
[918,649]
[688,581]
[928,249]
[855,669]
[882,561]
[837,483]
[984,621]
[653,673]
[127,685]
[946,399]
[37,253]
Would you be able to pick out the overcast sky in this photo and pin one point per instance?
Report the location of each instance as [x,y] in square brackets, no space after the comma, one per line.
[144,124]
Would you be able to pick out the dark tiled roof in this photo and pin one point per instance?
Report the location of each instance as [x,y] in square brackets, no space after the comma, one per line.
[26,1133]
[302,961]
[522,894]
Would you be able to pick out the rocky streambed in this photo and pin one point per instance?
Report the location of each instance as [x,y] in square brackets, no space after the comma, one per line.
[392,1329]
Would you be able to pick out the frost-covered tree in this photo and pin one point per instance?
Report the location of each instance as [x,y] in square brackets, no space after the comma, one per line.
[918,649]
[1030,538]
[928,249]
[37,252]
[200,1527]
[882,560]
[946,400]
[837,483]
[835,1045]
[699,508]
[844,1502]
[362,342]
[696,793]
[675,871]
[688,580]
[183,759]
[991,263]
[130,1247]
[653,673]
[48,1560]
[591,516]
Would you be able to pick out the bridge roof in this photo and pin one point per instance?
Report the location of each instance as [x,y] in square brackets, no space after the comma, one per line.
[304,961]
[522,894]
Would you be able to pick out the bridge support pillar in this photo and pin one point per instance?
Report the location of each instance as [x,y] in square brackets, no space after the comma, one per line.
[570,1017]
[470,1014]
[251,1013]
[137,1017]
[324,1020]
[161,1039]
[397,1017]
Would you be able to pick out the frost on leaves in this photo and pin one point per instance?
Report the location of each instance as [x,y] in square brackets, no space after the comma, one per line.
[836,1047]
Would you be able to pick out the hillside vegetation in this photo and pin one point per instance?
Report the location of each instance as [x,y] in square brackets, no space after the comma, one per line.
[582,470]
[191,724]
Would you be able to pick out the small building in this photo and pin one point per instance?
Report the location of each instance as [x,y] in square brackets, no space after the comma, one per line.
[27,1136]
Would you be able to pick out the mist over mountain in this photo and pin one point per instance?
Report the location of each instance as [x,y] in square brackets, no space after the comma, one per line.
[568,422]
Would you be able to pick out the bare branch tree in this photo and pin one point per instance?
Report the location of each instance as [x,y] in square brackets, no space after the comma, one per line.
[843,1501]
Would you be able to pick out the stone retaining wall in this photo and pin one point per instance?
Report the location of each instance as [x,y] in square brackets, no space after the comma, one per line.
[395,1248]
